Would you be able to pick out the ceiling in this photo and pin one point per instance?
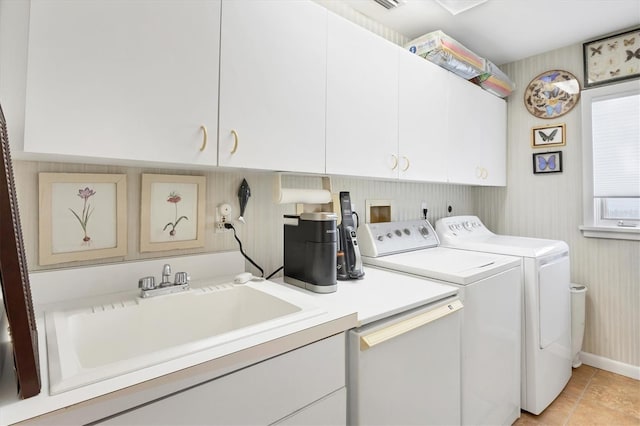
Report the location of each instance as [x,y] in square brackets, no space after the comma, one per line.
[509,30]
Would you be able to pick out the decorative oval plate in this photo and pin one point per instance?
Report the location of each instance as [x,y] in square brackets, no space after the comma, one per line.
[552,94]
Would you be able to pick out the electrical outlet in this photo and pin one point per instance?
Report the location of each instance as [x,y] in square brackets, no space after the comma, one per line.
[223,213]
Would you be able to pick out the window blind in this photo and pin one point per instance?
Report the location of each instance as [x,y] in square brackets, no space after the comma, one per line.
[616,147]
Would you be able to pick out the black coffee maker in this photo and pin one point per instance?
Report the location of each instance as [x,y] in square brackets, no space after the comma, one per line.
[310,244]
[349,262]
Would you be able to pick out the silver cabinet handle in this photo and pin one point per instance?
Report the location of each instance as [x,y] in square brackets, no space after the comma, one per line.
[379,336]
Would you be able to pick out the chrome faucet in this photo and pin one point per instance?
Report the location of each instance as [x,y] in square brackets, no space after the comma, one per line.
[148,287]
[166,273]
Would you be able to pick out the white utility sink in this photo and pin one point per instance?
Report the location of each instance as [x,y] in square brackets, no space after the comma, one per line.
[88,345]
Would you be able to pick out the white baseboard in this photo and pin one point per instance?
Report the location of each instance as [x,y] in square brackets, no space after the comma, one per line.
[628,370]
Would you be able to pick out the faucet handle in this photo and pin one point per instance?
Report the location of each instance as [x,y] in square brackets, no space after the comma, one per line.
[147,283]
[182,278]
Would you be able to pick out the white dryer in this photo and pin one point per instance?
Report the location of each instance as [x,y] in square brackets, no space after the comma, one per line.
[546,333]
[490,288]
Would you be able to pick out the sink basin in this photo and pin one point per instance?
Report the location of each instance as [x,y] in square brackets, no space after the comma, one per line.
[88,345]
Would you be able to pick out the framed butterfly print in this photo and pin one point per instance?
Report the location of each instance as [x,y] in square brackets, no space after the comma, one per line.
[552,94]
[612,59]
[547,162]
[548,136]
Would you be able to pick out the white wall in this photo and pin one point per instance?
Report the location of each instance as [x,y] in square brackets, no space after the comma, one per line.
[550,206]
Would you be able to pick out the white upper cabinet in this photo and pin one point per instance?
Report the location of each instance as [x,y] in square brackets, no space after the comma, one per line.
[477,152]
[273,85]
[119,80]
[362,102]
[423,119]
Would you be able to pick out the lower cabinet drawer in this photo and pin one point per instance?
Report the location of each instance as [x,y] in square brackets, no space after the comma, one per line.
[259,394]
[329,411]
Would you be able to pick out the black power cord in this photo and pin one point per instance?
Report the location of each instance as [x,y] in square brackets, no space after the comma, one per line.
[274,272]
[230,226]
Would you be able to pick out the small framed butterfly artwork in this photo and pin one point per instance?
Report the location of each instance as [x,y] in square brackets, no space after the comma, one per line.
[547,162]
[548,136]
[612,59]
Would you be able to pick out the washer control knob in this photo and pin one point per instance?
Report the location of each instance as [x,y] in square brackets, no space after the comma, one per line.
[389,235]
[407,231]
[398,233]
[380,237]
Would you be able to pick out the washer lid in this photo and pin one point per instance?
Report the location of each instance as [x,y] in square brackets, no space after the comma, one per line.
[445,264]
[469,233]
[509,245]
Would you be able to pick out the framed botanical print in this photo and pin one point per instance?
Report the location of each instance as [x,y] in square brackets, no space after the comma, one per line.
[83,216]
[172,212]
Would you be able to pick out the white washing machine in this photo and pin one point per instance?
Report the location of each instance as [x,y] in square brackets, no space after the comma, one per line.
[491,290]
[546,333]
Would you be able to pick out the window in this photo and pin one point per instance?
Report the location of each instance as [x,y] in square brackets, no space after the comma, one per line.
[611,134]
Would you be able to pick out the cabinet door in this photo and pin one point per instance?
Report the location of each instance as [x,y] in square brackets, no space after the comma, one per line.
[272,85]
[477,135]
[423,119]
[362,102]
[494,135]
[128,80]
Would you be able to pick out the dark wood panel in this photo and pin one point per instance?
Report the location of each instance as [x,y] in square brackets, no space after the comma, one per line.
[14,279]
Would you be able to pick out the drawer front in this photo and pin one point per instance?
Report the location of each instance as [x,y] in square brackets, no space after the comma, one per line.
[329,411]
[260,394]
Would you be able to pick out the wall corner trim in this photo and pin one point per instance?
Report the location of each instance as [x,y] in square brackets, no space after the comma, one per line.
[613,366]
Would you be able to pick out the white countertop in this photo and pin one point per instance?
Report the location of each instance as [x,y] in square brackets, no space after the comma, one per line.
[380,294]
